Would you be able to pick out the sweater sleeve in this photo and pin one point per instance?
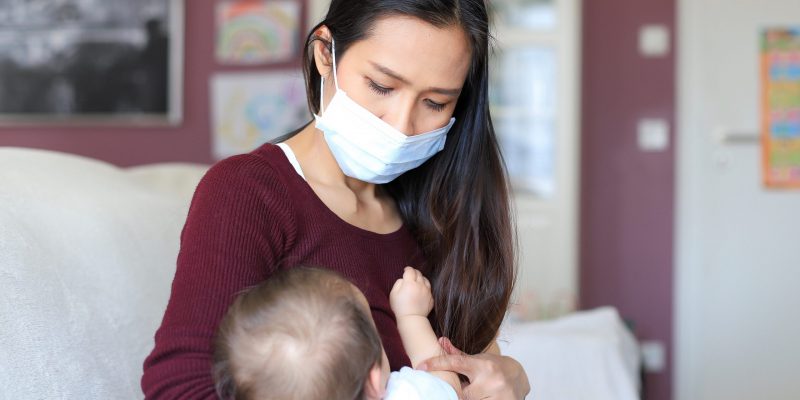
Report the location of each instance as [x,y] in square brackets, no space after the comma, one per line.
[238,227]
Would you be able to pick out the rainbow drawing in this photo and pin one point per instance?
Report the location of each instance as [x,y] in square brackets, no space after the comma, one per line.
[251,32]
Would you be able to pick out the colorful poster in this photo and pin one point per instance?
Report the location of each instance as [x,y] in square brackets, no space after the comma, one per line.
[780,131]
[250,109]
[251,32]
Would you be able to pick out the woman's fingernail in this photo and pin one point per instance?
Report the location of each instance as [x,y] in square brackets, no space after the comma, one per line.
[447,343]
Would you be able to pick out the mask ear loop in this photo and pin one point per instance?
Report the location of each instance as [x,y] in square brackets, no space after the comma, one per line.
[321,95]
[322,79]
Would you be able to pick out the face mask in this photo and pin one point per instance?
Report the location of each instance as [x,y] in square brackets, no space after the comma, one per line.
[366,147]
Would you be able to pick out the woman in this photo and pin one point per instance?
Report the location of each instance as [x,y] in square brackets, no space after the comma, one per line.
[401,167]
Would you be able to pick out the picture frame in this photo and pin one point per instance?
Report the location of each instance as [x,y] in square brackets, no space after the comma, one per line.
[258,32]
[91,62]
[249,109]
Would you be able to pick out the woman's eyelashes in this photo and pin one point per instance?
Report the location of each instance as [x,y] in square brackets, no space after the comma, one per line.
[434,105]
[385,91]
[381,90]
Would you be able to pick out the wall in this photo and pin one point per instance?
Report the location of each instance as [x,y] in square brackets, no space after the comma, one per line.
[627,195]
[188,142]
[736,241]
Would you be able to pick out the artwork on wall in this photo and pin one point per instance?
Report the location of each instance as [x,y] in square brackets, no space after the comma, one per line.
[253,32]
[114,61]
[249,109]
[780,134]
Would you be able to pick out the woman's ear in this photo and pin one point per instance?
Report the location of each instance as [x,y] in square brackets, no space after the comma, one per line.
[322,51]
[373,386]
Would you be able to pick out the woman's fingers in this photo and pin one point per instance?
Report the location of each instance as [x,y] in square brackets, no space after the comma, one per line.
[448,347]
[453,360]
[490,376]
[455,363]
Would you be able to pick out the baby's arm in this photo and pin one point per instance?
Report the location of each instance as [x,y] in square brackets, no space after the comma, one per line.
[411,302]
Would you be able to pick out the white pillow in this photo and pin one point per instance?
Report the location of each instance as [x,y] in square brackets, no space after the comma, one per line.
[584,355]
[87,256]
[176,179]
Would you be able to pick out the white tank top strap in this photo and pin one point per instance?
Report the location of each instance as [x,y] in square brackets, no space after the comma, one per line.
[292,159]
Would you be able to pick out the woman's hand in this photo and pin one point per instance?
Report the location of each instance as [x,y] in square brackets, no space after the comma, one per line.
[491,376]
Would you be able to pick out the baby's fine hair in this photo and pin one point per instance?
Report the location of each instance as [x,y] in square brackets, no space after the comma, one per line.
[301,334]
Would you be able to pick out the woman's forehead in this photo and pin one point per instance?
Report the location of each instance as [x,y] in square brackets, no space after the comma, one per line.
[423,54]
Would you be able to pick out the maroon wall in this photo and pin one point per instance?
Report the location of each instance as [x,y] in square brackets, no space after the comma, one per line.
[627,199]
[190,141]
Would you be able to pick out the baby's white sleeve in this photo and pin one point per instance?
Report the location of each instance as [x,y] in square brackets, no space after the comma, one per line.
[411,384]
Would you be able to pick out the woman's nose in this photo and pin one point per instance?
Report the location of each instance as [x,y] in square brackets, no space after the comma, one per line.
[401,117]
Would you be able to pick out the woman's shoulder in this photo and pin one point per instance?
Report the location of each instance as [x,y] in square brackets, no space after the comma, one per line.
[263,168]
[259,178]
[265,160]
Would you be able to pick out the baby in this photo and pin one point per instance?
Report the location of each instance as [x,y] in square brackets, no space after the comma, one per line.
[308,334]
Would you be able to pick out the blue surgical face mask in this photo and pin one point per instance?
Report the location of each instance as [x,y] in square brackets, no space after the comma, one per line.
[366,147]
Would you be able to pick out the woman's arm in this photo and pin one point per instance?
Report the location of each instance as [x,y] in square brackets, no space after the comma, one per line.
[232,237]
[491,375]
[411,301]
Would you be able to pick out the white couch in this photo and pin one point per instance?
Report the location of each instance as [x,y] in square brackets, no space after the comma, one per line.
[87,256]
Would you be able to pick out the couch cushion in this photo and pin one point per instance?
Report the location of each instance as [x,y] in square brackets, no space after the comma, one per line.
[87,256]
[584,355]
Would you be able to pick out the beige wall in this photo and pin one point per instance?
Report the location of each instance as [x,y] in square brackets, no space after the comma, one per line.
[316,10]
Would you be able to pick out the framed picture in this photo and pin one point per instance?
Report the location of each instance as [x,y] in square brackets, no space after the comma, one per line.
[91,61]
[250,109]
[258,32]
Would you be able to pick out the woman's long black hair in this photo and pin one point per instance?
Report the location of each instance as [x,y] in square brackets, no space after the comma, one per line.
[457,203]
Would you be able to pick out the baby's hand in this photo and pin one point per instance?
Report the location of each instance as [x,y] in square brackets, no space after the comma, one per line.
[411,295]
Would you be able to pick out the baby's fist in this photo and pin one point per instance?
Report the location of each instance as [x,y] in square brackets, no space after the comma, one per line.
[411,294]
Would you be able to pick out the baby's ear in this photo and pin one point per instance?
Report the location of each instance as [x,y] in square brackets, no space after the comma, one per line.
[373,386]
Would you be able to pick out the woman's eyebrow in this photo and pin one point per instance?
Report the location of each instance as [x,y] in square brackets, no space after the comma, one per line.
[395,75]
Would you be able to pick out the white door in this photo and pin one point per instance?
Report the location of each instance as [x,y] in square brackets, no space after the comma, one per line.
[738,253]
[534,100]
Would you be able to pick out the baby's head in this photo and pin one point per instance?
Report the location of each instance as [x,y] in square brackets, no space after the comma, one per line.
[304,333]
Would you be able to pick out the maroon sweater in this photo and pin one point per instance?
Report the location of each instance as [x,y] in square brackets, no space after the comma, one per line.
[250,216]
